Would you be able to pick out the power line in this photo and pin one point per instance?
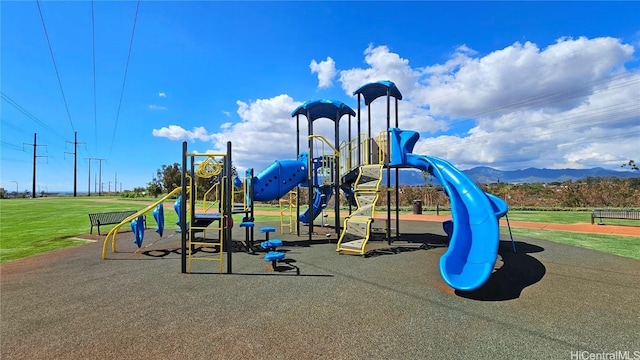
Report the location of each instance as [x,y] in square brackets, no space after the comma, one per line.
[93,45]
[124,79]
[14,147]
[26,113]
[55,67]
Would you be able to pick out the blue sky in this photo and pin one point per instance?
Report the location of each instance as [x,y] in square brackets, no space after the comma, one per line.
[510,85]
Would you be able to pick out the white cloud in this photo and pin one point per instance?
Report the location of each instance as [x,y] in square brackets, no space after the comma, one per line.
[176,132]
[156,107]
[326,71]
[227,114]
[522,106]
[162,94]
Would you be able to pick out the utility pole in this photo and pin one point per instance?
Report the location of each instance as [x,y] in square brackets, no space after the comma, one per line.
[109,191]
[75,161]
[35,157]
[94,187]
[115,184]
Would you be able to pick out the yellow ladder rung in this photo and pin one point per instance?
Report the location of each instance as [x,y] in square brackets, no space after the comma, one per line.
[204,243]
[204,259]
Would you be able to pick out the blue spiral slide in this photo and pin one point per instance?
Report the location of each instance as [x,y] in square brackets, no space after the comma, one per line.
[473,248]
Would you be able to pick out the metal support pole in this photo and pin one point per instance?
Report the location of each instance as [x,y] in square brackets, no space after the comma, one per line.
[228,208]
[336,173]
[310,172]
[183,209]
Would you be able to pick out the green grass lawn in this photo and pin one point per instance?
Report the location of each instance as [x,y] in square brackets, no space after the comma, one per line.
[32,226]
[627,246]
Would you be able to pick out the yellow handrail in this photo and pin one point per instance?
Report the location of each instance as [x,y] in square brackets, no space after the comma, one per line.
[215,199]
[112,234]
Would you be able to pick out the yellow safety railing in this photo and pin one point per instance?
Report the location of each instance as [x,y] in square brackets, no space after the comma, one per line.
[114,232]
[349,154]
[381,140]
[215,199]
[333,154]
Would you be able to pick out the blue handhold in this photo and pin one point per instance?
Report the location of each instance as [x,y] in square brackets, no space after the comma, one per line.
[267,229]
[274,256]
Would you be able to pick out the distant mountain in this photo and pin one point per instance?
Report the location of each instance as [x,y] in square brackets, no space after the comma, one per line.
[488,175]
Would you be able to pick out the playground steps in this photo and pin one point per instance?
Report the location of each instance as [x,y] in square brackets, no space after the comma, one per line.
[202,224]
[357,227]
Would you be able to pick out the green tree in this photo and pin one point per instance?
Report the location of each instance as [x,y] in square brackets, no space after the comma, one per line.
[169,177]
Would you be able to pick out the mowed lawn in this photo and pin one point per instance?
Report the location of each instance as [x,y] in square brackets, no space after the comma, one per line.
[31,226]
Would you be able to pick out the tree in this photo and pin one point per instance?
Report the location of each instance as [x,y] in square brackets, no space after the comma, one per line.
[169,177]
[154,188]
[632,165]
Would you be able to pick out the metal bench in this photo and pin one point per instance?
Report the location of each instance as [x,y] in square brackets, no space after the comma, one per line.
[108,218]
[623,214]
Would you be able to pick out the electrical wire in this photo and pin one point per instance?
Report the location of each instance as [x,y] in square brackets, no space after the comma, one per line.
[124,79]
[26,113]
[55,66]
[93,45]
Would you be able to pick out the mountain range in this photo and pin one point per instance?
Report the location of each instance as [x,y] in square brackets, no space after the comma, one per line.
[488,175]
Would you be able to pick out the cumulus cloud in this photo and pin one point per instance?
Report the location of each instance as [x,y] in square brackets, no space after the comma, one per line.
[526,105]
[517,107]
[176,132]
[156,107]
[161,94]
[326,71]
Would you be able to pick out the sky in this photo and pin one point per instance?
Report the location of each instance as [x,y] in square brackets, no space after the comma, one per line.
[510,85]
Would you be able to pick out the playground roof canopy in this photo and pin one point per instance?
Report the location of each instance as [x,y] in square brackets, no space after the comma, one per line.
[330,109]
[374,90]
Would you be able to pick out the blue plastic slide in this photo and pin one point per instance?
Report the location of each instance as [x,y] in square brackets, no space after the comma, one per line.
[278,179]
[320,198]
[475,235]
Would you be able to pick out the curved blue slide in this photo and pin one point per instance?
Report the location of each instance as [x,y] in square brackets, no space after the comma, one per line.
[473,248]
[320,197]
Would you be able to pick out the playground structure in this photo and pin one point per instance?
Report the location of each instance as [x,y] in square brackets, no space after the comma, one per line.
[355,167]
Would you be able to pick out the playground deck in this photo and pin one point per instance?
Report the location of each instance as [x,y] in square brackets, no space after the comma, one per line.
[545,302]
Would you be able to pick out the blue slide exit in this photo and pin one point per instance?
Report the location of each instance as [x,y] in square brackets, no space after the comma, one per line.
[473,249]
[320,197]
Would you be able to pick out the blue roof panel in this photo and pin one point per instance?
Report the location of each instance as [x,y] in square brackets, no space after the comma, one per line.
[317,109]
[374,90]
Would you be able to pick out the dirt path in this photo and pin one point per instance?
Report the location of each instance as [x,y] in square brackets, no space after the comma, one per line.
[579,227]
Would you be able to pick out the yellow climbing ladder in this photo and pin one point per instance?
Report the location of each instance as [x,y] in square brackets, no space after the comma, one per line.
[191,243]
[288,212]
[357,227]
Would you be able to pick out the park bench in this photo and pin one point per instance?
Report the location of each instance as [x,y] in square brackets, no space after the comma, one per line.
[108,218]
[623,214]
